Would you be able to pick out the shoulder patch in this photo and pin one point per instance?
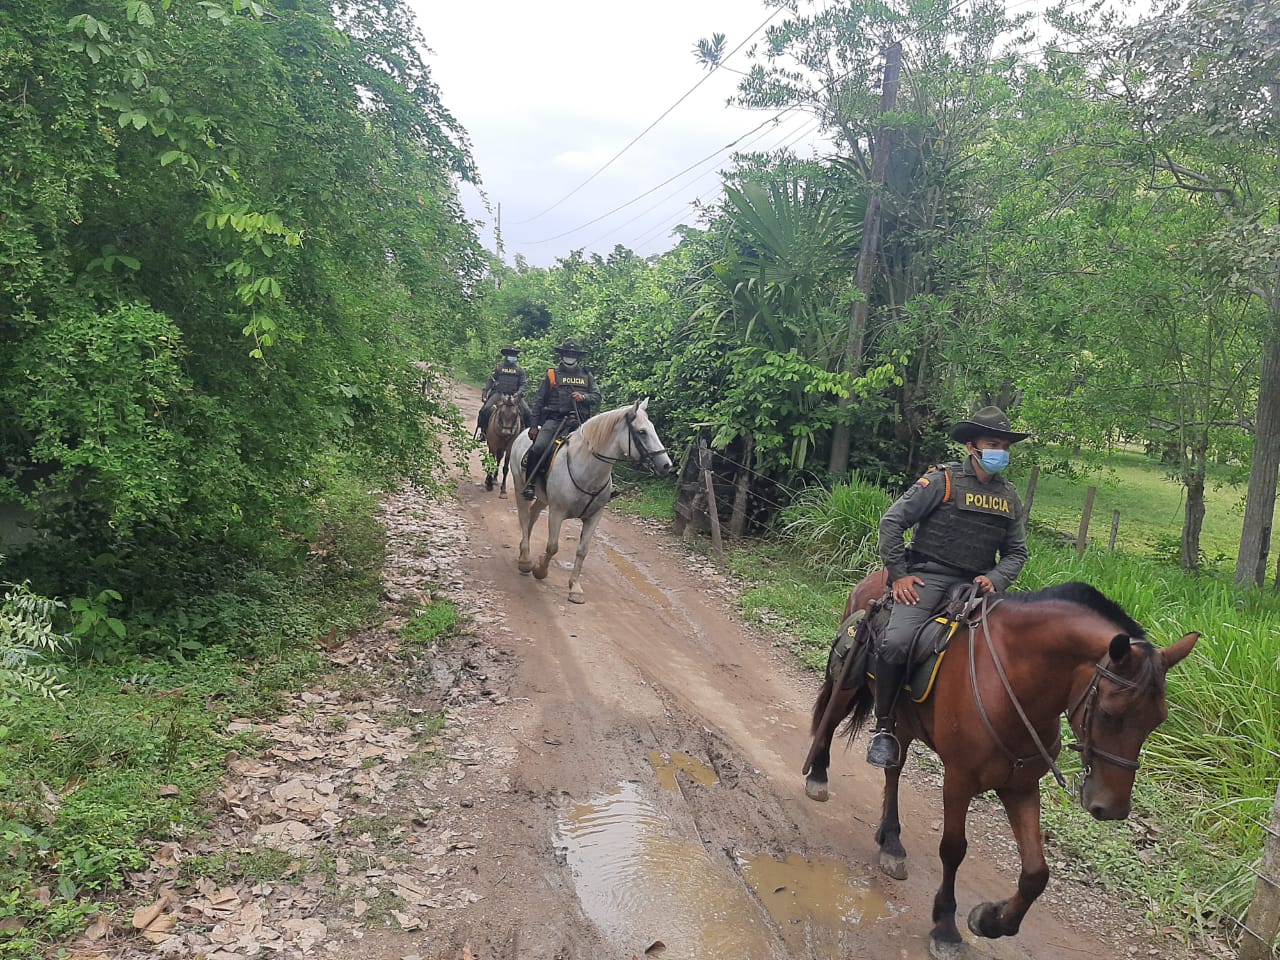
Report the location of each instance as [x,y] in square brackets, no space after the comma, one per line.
[922,482]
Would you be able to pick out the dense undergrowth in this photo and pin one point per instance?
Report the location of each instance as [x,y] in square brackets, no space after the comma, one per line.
[91,780]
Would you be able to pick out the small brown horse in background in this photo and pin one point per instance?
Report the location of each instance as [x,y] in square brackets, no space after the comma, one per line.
[505,421]
[993,720]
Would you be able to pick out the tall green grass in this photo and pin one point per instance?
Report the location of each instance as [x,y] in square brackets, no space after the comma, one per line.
[1209,772]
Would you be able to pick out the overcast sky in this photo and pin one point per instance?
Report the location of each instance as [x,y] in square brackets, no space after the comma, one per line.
[549,90]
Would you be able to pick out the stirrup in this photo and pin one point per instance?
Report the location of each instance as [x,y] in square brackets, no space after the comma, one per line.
[529,492]
[884,750]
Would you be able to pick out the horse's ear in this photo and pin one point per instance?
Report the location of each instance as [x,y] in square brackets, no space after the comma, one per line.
[1175,653]
[644,404]
[635,407]
[1119,647]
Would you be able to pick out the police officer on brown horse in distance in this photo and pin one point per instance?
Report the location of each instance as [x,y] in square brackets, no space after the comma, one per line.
[965,515]
[564,402]
[508,377]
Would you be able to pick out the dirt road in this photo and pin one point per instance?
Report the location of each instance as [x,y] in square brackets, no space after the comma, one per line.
[650,753]
[559,782]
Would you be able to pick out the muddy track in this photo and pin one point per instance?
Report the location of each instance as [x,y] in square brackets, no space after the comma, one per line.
[654,787]
[561,782]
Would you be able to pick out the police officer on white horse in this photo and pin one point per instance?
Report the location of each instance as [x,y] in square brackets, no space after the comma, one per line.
[565,400]
[968,529]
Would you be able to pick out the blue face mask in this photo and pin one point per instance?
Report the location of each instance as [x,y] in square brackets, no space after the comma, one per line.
[993,461]
[511,359]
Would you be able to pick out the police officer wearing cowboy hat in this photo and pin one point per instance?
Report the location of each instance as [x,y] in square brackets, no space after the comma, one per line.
[565,398]
[508,377]
[968,528]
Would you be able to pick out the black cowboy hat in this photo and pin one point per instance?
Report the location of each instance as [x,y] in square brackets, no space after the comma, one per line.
[987,422]
[570,345]
[506,350]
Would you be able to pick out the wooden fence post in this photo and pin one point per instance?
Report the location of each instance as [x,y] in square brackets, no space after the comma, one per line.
[1263,920]
[1083,538]
[1115,528]
[713,513]
[1031,492]
[738,519]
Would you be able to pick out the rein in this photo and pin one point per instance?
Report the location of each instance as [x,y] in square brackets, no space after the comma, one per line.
[1088,698]
[1018,762]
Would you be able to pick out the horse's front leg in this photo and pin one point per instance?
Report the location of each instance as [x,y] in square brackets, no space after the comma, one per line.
[1004,918]
[893,855]
[945,942]
[555,517]
[584,539]
[528,513]
[506,466]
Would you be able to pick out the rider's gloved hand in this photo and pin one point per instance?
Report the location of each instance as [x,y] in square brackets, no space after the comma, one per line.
[579,397]
[533,433]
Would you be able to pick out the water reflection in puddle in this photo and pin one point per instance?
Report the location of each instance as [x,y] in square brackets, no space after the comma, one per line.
[812,901]
[639,884]
[666,765]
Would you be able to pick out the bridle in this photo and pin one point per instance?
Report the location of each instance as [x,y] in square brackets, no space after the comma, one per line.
[633,436]
[1089,700]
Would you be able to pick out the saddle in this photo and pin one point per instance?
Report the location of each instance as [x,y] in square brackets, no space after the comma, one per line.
[863,630]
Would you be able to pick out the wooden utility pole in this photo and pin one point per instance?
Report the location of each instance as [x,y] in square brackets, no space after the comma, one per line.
[867,249]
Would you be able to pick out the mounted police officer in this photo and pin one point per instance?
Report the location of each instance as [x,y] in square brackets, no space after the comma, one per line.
[565,398]
[965,515]
[508,378]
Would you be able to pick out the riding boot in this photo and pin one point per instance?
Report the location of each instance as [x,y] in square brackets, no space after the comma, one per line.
[884,747]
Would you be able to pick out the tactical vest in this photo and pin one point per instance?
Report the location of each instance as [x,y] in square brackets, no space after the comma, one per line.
[967,530]
[506,377]
[564,384]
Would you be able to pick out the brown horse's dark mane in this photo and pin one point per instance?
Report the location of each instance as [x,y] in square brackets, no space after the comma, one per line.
[1084,595]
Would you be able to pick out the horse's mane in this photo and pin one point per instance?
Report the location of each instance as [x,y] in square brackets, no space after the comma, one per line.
[598,430]
[1086,596]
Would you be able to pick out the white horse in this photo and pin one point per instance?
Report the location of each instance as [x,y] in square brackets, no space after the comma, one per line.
[580,480]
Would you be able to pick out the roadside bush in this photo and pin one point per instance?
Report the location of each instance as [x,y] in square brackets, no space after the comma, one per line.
[839,528]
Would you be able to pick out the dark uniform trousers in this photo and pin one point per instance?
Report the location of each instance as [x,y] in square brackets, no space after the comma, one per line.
[547,433]
[905,620]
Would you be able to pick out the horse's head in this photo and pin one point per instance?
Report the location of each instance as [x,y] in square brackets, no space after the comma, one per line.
[644,443]
[1115,714]
[506,416]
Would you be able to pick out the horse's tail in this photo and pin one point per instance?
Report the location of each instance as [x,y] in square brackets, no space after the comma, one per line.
[856,706]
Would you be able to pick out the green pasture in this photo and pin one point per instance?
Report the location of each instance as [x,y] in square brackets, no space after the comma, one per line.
[1150,500]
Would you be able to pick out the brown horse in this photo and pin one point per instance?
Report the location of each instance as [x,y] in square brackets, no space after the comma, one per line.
[993,720]
[505,422]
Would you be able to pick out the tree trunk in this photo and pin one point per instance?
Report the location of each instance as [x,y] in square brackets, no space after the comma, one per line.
[868,245]
[1193,516]
[1260,501]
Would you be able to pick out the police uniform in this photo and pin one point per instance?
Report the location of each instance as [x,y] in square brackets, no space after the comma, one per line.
[554,409]
[956,539]
[965,527]
[507,377]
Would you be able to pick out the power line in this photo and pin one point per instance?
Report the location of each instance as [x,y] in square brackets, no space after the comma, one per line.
[634,140]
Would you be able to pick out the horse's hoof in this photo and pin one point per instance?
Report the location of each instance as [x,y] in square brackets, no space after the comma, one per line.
[941,950]
[577,598]
[893,866]
[488,484]
[502,494]
[985,920]
[816,790]
[539,573]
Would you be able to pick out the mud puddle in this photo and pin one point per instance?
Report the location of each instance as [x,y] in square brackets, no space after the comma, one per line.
[642,885]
